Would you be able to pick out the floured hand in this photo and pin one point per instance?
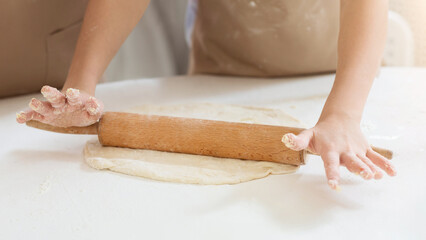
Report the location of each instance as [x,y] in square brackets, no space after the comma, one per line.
[72,108]
[340,142]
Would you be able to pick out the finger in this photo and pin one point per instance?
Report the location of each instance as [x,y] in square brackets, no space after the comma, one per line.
[54,96]
[28,115]
[381,162]
[37,117]
[356,166]
[93,107]
[75,100]
[377,173]
[94,118]
[331,166]
[44,108]
[73,97]
[90,119]
[21,117]
[299,142]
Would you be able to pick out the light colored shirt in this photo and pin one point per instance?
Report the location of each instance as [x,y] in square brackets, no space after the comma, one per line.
[191,14]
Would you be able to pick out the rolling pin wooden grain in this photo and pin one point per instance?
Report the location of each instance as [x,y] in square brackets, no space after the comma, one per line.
[193,136]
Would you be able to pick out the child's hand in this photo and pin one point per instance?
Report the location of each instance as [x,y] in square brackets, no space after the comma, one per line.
[74,108]
[339,141]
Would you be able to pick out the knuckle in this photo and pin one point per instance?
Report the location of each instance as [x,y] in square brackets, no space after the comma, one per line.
[346,155]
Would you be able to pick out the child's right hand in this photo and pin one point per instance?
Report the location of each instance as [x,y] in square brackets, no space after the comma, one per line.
[72,108]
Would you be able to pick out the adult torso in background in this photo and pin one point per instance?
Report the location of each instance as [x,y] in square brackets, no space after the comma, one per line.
[265,38]
[37,43]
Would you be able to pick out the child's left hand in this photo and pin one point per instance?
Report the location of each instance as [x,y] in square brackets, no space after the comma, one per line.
[339,141]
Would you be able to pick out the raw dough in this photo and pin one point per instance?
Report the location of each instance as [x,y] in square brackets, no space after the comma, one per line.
[186,168]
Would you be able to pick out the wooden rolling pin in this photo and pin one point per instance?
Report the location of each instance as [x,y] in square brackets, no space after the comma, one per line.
[192,136]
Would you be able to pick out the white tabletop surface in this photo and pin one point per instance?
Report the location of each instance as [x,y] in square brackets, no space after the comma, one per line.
[47,191]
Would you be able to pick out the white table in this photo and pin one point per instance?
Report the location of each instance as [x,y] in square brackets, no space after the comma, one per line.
[48,192]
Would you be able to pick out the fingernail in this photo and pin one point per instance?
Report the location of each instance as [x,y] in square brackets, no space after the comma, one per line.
[35,105]
[45,92]
[377,175]
[73,92]
[393,172]
[334,185]
[364,174]
[93,111]
[288,142]
[20,115]
[44,88]
[391,168]
[95,102]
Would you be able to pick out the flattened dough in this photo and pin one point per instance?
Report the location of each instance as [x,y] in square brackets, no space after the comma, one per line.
[186,168]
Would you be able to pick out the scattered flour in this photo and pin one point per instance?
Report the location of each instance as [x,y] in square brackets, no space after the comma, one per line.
[45,185]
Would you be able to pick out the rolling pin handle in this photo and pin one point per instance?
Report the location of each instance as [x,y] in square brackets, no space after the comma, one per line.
[90,130]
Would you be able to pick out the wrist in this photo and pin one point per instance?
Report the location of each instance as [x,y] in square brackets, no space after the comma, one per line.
[84,86]
[340,116]
[344,104]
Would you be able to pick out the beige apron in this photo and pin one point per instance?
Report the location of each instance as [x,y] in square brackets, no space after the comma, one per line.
[265,38]
[37,43]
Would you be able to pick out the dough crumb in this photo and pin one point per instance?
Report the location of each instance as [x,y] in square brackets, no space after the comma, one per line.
[45,186]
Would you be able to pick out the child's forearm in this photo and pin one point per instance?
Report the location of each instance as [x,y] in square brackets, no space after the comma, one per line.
[106,25]
[363,26]
[337,136]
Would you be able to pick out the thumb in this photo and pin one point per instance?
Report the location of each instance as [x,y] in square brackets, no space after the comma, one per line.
[298,142]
